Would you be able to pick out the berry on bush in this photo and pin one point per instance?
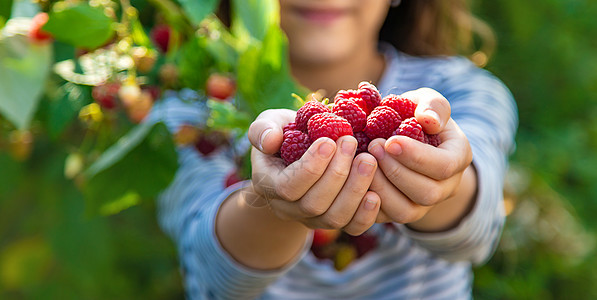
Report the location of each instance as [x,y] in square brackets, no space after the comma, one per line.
[220,87]
[106,94]
[160,34]
[36,33]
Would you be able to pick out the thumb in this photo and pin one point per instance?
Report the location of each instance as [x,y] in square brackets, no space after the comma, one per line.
[433,109]
[266,132]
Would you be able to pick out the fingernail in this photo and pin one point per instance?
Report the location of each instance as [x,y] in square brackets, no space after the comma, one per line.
[348,147]
[432,114]
[394,148]
[370,204]
[263,136]
[366,168]
[377,151]
[325,149]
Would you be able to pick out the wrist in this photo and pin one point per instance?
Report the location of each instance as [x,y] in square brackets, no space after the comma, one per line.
[253,235]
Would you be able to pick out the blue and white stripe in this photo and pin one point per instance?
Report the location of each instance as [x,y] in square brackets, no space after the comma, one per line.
[407,264]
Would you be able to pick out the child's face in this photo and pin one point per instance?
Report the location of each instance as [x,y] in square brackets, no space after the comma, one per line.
[328,31]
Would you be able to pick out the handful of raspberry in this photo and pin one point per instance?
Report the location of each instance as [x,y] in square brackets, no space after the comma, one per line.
[361,113]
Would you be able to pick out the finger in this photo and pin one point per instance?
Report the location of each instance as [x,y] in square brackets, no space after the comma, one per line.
[366,214]
[433,110]
[439,163]
[320,195]
[292,182]
[382,217]
[349,196]
[395,204]
[416,186]
[265,133]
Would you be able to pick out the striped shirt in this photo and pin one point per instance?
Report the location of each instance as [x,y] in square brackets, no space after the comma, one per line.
[406,264]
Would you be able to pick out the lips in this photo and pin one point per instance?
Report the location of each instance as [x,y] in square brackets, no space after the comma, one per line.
[321,16]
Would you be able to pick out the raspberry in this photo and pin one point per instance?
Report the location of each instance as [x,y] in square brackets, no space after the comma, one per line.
[382,122]
[309,109]
[232,178]
[105,95]
[220,87]
[433,139]
[354,96]
[349,110]
[208,142]
[328,125]
[412,129]
[295,144]
[160,35]
[289,126]
[402,106]
[363,141]
[36,33]
[369,94]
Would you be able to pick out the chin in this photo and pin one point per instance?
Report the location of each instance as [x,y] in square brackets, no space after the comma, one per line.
[319,51]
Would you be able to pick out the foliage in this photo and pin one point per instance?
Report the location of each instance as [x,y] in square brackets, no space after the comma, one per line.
[78,178]
[545,57]
[82,159]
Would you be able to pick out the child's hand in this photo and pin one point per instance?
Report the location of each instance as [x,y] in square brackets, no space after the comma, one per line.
[413,176]
[326,188]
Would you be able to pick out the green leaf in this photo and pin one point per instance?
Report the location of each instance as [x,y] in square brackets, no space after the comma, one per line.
[140,164]
[225,116]
[264,79]
[81,26]
[64,108]
[24,69]
[139,36]
[195,63]
[5,10]
[254,17]
[197,10]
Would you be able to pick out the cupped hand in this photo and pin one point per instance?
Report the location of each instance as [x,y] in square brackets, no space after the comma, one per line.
[326,188]
[413,177]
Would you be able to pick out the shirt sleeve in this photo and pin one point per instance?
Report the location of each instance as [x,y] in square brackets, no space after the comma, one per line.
[187,210]
[486,112]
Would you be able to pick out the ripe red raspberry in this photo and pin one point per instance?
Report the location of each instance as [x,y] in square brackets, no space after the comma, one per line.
[289,126]
[160,34]
[220,87]
[382,122]
[349,110]
[208,142]
[412,129]
[232,178]
[433,139]
[370,95]
[354,96]
[346,94]
[106,94]
[403,106]
[328,125]
[363,141]
[295,144]
[309,109]
[36,33]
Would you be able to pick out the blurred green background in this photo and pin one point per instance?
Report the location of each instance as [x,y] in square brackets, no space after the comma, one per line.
[546,54]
